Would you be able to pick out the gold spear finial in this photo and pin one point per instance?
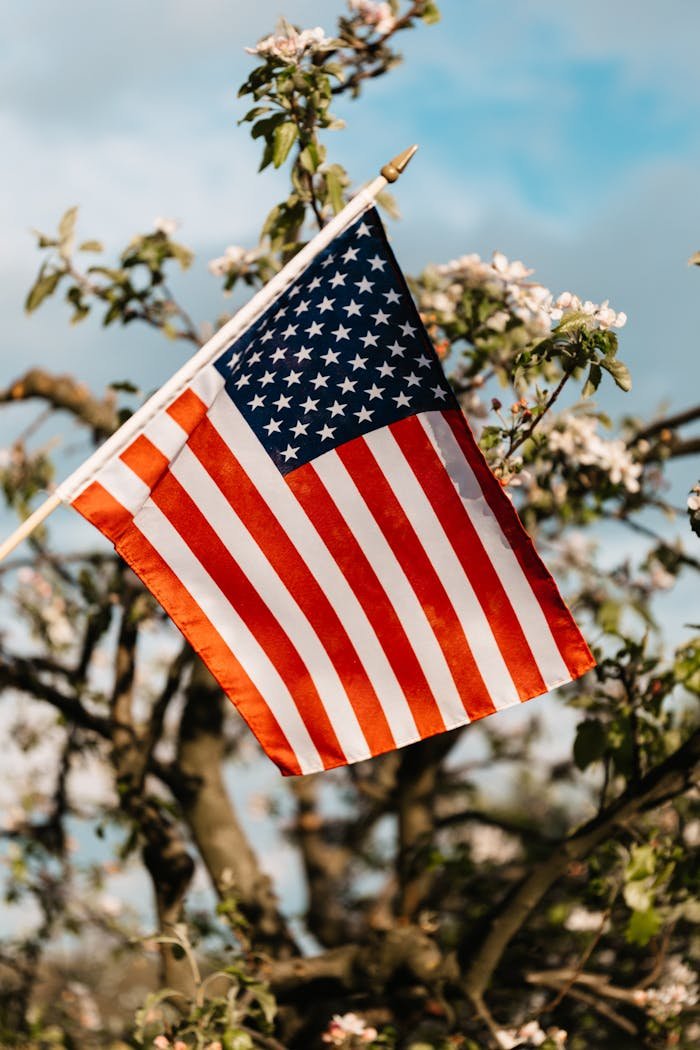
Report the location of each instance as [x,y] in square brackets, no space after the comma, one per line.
[393,169]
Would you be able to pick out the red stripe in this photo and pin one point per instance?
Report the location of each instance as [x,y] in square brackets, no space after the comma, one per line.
[169,590]
[574,651]
[187,410]
[227,473]
[464,539]
[103,510]
[146,461]
[352,562]
[417,567]
[181,511]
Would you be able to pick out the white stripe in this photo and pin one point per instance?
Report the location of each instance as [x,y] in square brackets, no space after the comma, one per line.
[154,525]
[515,583]
[283,607]
[254,460]
[126,487]
[165,434]
[348,499]
[207,384]
[432,538]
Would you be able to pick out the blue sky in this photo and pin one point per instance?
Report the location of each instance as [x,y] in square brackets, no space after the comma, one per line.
[563,134]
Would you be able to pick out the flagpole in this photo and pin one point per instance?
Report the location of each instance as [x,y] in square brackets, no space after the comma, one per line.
[212,348]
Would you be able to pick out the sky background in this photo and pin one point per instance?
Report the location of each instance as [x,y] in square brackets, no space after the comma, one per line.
[565,135]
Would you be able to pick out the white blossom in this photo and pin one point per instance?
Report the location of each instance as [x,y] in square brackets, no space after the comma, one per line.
[165,226]
[678,992]
[577,439]
[602,316]
[581,920]
[377,15]
[343,1028]
[694,500]
[290,45]
[235,258]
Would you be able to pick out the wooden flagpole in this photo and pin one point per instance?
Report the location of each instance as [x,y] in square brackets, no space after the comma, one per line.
[211,349]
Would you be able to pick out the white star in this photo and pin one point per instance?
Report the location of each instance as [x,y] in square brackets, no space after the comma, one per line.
[294,291]
[330,357]
[257,401]
[292,378]
[243,381]
[353,308]
[319,380]
[310,405]
[358,362]
[233,361]
[364,415]
[377,263]
[350,255]
[326,432]
[396,349]
[291,329]
[280,313]
[423,361]
[327,261]
[369,340]
[272,427]
[315,328]
[348,385]
[336,409]
[290,453]
[278,355]
[407,328]
[282,402]
[268,378]
[363,230]
[402,401]
[337,278]
[380,317]
[374,392]
[341,333]
[364,285]
[326,304]
[254,358]
[302,307]
[268,336]
[304,354]
[316,283]
[385,370]
[439,393]
[413,379]
[392,296]
[300,428]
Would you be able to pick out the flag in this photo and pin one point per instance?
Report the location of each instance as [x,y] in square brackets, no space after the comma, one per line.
[312,511]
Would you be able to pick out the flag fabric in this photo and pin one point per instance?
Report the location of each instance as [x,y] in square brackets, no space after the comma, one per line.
[314,514]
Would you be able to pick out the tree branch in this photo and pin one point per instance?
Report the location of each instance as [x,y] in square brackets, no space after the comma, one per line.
[65,393]
[673,775]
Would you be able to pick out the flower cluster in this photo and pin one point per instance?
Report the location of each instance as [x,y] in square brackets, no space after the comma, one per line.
[165,226]
[509,281]
[234,260]
[576,438]
[678,992]
[530,1034]
[581,920]
[163,1043]
[603,316]
[37,595]
[694,508]
[348,1031]
[377,15]
[290,45]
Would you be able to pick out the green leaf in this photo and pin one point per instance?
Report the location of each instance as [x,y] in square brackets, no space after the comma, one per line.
[618,371]
[593,382]
[91,246]
[66,226]
[334,190]
[284,137]
[431,14]
[44,286]
[589,745]
[643,925]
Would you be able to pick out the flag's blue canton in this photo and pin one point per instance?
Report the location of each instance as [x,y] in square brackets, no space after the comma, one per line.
[340,353]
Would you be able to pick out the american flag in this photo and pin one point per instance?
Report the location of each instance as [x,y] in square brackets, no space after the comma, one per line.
[314,514]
